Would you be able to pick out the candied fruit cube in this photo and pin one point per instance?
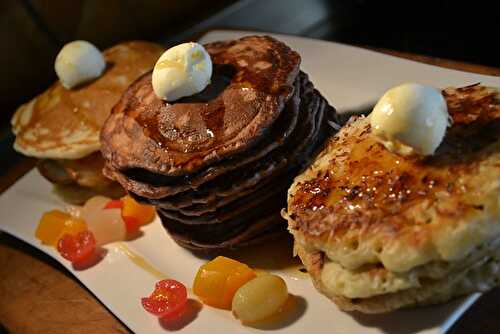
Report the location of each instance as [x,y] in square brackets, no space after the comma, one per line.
[131,210]
[217,281]
[54,224]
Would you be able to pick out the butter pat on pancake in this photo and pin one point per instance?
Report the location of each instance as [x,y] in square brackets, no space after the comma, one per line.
[65,123]
[378,231]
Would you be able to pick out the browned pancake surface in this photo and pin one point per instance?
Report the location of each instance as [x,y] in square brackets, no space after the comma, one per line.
[255,75]
[65,123]
[367,188]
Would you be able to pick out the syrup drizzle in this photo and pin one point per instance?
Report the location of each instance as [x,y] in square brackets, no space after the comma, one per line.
[139,261]
[246,77]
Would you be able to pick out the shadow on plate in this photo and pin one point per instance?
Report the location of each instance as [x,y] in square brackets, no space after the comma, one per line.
[193,307]
[364,109]
[276,254]
[135,235]
[410,320]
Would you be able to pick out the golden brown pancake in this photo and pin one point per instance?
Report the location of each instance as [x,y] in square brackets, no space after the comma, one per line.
[378,231]
[62,125]
[65,123]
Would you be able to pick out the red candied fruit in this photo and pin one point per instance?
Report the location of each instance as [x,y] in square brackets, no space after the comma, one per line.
[77,248]
[168,300]
[132,224]
[114,204]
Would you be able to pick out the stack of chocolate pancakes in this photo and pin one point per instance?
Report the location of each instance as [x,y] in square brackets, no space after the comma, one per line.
[217,165]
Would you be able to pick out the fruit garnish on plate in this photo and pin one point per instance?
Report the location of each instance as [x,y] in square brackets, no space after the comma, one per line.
[259,298]
[217,281]
[77,248]
[135,215]
[167,301]
[228,284]
[77,233]
[55,223]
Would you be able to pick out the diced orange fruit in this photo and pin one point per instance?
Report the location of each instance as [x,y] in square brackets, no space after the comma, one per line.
[217,281]
[54,224]
[143,214]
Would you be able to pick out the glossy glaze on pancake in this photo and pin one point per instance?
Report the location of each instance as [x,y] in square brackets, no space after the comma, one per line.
[226,190]
[65,123]
[157,186]
[248,168]
[256,75]
[361,212]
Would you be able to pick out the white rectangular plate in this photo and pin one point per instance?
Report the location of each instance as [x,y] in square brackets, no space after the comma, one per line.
[350,78]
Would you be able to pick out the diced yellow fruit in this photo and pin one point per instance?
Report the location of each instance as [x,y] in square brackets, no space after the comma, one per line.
[54,224]
[217,281]
[260,298]
[143,213]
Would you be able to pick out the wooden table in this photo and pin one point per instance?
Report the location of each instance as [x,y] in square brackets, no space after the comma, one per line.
[37,295]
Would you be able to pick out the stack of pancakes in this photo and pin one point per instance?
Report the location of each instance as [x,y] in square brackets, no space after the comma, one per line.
[378,231]
[61,126]
[217,164]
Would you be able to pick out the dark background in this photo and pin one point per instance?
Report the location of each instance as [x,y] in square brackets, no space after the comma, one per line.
[33,31]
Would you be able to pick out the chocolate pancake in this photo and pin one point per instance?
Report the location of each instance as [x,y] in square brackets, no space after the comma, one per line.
[217,164]
[265,228]
[177,139]
[152,185]
[254,171]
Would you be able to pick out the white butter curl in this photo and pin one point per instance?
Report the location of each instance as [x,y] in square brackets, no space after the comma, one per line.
[79,62]
[410,118]
[182,70]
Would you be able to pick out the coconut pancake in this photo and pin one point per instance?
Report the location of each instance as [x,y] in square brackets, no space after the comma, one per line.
[378,231]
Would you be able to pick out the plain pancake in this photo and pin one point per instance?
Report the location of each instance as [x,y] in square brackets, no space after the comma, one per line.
[379,220]
[65,123]
[179,138]
[75,194]
[77,180]
[84,172]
